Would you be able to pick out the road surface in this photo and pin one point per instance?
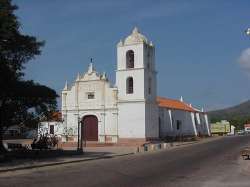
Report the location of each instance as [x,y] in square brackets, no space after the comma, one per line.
[215,163]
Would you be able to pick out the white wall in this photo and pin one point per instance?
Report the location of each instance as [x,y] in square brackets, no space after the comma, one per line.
[168,126]
[151,120]
[104,105]
[206,129]
[192,123]
[131,120]
[138,80]
[138,55]
[44,127]
[138,112]
[202,124]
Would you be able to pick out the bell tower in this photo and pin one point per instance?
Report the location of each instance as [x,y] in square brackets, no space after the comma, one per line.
[136,83]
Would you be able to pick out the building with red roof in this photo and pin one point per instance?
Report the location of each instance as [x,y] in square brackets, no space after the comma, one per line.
[177,118]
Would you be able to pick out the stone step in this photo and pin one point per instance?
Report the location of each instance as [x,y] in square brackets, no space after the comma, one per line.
[87,144]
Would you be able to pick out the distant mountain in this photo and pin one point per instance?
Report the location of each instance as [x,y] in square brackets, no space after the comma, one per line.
[241,111]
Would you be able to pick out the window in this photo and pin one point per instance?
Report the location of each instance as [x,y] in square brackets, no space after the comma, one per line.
[130,59]
[51,129]
[91,95]
[178,124]
[130,85]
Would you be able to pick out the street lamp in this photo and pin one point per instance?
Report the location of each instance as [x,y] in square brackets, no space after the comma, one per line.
[79,137]
[78,134]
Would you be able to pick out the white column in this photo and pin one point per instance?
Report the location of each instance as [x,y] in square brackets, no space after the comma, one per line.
[171,122]
[207,125]
[193,122]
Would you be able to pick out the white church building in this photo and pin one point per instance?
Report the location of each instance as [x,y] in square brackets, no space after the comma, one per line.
[130,110]
[179,119]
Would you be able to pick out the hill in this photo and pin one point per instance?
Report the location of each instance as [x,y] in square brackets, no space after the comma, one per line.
[237,115]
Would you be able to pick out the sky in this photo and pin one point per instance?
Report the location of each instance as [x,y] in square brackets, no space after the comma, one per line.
[202,52]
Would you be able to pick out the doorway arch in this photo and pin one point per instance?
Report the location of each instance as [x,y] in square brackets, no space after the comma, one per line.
[89,128]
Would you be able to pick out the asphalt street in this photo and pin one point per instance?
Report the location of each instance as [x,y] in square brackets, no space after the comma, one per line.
[215,163]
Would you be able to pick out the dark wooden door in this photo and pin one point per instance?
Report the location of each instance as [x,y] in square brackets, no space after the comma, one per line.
[51,129]
[90,128]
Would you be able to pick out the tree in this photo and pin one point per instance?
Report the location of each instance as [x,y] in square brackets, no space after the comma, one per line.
[20,100]
[235,120]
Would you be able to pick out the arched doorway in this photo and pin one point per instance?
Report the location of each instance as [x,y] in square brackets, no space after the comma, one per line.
[90,128]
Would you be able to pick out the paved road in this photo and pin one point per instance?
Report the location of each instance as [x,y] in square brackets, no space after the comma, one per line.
[216,163]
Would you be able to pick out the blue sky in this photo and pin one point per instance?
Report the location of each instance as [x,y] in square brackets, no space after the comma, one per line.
[198,43]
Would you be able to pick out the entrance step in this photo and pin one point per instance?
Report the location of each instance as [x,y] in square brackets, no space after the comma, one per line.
[87,144]
[97,144]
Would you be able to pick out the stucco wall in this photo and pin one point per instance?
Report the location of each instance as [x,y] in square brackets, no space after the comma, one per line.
[138,82]
[131,120]
[151,119]
[192,123]
[169,124]
[43,128]
[165,122]
[205,124]
[76,105]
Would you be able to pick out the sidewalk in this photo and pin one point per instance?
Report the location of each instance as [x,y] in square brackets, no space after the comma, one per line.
[92,153]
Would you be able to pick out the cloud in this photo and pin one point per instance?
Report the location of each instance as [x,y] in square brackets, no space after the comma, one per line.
[244,60]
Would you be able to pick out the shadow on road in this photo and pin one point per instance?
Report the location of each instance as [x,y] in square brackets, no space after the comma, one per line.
[37,156]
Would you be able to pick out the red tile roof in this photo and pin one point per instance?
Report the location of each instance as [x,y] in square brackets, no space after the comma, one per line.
[56,116]
[174,104]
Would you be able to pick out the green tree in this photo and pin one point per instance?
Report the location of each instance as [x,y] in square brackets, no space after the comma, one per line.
[20,100]
[235,120]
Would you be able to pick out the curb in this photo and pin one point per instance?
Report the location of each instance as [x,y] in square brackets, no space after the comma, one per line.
[155,147]
[60,163]
[162,146]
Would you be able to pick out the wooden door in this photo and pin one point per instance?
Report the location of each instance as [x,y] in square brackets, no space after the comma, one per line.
[90,128]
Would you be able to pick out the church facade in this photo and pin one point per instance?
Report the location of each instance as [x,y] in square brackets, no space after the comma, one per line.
[127,112]
[90,104]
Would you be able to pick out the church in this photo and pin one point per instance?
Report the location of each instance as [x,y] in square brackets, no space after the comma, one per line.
[129,111]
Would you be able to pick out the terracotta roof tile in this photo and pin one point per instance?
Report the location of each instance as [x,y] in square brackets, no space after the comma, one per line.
[56,116]
[174,104]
